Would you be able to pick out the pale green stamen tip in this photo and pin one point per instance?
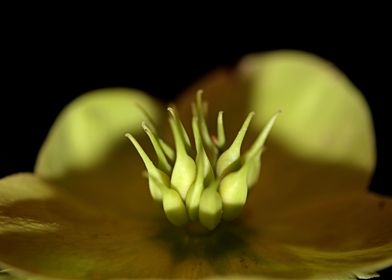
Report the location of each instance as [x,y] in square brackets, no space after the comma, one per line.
[184,169]
[221,138]
[205,183]
[229,160]
[162,158]
[152,170]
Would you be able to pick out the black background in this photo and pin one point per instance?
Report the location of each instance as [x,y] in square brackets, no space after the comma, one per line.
[44,70]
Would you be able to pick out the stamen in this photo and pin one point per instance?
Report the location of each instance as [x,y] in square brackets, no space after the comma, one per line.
[153,171]
[212,187]
[200,151]
[172,204]
[255,148]
[234,191]
[194,192]
[221,138]
[200,113]
[163,164]
[230,159]
[169,152]
[254,168]
[184,170]
[253,155]
[203,174]
[184,135]
[210,208]
[148,117]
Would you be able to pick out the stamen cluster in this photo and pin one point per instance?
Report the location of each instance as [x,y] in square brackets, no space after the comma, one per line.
[207,183]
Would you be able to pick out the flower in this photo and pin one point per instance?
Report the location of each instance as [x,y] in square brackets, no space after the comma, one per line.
[86,212]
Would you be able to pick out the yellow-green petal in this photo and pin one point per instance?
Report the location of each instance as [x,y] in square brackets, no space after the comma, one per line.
[350,231]
[325,116]
[324,134]
[87,154]
[91,127]
[46,232]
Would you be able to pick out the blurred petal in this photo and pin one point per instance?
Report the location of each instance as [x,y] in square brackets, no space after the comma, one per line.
[87,153]
[223,90]
[323,142]
[90,128]
[325,117]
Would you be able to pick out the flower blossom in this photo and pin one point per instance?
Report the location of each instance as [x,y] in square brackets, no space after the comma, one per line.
[87,213]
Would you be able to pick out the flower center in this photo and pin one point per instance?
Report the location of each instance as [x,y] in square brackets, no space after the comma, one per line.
[208,182]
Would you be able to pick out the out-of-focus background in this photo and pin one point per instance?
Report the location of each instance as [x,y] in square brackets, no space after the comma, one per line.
[43,71]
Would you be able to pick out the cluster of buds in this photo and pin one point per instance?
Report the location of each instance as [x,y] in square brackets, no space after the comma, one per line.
[209,183]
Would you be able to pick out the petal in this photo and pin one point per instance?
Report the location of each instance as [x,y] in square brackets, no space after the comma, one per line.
[87,153]
[325,119]
[346,221]
[90,128]
[345,232]
[324,147]
[46,232]
[287,180]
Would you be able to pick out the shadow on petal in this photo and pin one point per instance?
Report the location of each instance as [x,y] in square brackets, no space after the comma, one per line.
[287,180]
[76,241]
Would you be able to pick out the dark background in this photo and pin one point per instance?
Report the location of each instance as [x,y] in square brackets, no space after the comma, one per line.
[43,71]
